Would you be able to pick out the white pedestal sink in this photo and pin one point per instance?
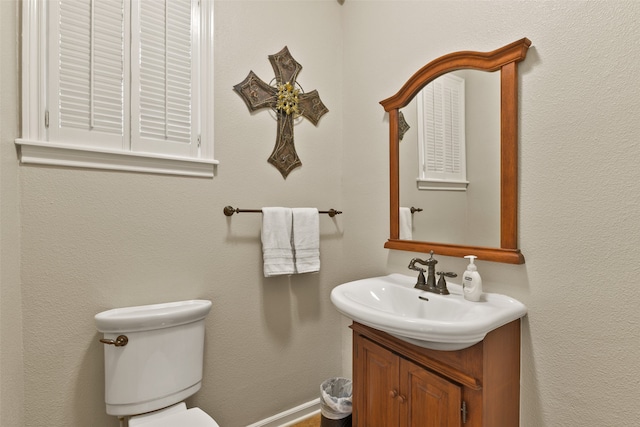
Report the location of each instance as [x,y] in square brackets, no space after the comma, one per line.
[439,322]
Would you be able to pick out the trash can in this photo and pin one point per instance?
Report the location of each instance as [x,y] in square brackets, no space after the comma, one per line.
[335,402]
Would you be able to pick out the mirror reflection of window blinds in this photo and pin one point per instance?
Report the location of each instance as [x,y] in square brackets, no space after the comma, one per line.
[442,120]
[442,130]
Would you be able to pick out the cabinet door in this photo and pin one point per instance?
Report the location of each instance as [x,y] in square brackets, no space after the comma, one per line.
[375,382]
[428,400]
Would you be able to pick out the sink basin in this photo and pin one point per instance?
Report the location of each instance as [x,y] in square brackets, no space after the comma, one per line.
[441,322]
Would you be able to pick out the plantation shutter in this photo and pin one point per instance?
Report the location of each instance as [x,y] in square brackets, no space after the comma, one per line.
[441,128]
[165,63]
[118,85]
[87,73]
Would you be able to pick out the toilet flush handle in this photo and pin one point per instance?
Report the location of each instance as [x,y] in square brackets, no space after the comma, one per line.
[120,341]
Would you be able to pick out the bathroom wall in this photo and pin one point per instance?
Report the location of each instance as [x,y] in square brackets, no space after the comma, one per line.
[94,240]
[11,366]
[579,182]
[91,240]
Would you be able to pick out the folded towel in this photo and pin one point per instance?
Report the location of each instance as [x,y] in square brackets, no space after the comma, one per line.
[306,239]
[406,224]
[277,252]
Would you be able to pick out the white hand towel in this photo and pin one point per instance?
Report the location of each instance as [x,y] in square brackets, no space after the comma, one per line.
[306,239]
[406,224]
[277,252]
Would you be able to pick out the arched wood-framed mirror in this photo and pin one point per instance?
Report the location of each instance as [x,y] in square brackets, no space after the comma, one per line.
[505,60]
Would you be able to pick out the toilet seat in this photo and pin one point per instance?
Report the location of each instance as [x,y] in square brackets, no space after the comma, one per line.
[175,416]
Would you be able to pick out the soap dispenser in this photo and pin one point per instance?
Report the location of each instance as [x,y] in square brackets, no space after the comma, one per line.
[471,281]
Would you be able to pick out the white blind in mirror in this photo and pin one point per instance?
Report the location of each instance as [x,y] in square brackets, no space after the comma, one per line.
[441,134]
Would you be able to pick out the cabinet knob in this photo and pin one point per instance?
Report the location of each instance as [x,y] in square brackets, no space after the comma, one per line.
[394,394]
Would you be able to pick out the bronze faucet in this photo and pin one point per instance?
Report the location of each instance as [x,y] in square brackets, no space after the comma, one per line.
[430,284]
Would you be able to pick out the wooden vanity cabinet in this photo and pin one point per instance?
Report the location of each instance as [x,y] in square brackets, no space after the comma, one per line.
[396,383]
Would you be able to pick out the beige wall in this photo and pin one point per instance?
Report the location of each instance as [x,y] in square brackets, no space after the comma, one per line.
[93,240]
[579,203]
[11,348]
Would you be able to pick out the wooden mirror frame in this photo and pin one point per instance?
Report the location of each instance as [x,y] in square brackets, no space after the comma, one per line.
[506,60]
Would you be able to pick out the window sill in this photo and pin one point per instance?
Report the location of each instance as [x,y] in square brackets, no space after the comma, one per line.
[44,153]
[442,185]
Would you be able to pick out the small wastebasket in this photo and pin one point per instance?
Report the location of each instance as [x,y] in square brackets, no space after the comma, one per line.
[335,402]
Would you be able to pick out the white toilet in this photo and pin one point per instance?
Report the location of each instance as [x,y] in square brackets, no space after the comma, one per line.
[153,361]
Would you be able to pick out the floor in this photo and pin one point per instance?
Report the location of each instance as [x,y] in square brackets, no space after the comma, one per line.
[309,422]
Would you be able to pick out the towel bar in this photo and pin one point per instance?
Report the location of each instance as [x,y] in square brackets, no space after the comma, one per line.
[230,210]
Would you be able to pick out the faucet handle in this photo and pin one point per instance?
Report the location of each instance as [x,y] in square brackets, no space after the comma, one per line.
[441,287]
[447,274]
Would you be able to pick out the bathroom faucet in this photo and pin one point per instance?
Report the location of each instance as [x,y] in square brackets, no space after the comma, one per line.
[430,284]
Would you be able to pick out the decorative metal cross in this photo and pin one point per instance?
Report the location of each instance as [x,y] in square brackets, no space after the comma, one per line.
[288,101]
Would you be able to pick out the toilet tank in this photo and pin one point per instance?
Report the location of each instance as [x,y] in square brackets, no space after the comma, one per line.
[161,364]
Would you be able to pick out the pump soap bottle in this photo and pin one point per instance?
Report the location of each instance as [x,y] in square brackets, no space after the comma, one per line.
[471,281]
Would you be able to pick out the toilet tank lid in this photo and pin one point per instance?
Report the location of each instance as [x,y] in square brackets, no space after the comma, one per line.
[154,316]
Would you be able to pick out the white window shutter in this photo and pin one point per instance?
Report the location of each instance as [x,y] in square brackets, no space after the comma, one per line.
[451,116]
[441,133]
[91,97]
[433,127]
[86,69]
[165,64]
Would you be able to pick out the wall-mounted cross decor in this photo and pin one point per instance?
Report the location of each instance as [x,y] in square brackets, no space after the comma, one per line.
[288,100]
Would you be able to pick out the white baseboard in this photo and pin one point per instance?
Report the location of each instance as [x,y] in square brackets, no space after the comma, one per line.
[290,416]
